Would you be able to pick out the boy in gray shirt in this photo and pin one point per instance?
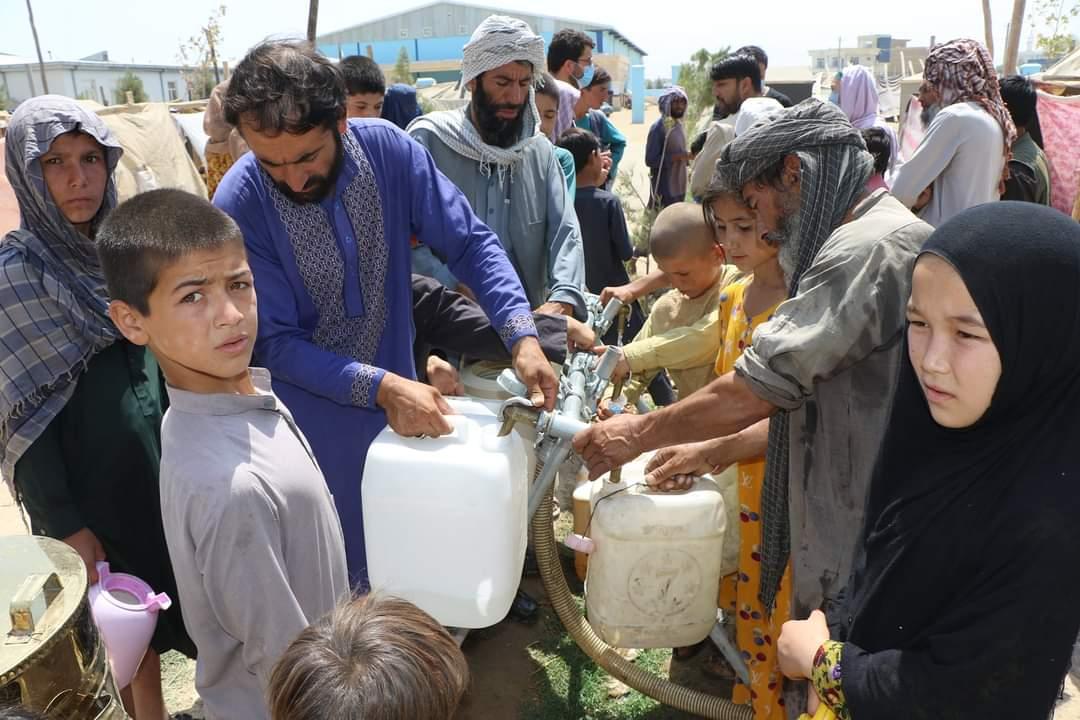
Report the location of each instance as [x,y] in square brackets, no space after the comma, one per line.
[251,528]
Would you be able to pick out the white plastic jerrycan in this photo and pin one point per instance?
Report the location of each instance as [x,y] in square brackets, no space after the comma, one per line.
[444,518]
[655,569]
[125,610]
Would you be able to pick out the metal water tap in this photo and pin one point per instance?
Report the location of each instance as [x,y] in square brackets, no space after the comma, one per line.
[581,385]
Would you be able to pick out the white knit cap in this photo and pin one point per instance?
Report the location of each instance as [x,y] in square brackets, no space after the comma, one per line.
[500,40]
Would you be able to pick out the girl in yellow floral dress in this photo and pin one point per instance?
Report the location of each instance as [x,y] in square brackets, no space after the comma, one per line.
[744,305]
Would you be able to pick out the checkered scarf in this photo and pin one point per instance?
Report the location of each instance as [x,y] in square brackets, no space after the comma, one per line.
[53,302]
[963,71]
[835,169]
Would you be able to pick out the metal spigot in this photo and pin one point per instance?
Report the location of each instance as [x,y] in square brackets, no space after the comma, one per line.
[615,476]
[515,410]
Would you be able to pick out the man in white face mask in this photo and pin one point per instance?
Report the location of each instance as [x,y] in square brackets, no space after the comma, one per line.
[569,60]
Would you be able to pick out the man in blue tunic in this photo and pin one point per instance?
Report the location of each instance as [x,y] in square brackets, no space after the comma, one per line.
[327,208]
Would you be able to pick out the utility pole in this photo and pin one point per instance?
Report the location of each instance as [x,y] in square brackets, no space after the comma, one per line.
[312,20]
[41,63]
[988,27]
[1012,44]
[213,56]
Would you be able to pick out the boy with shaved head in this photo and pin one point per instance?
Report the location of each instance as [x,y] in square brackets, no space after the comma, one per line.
[680,334]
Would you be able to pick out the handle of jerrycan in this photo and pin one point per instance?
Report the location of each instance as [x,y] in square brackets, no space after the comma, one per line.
[158,601]
[102,567]
[456,429]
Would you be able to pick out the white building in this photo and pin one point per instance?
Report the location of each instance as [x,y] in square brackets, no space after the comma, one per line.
[20,79]
[881,53]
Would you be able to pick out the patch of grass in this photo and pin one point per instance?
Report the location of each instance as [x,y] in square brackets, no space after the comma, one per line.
[570,686]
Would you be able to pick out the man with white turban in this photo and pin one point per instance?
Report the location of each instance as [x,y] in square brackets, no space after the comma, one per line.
[508,171]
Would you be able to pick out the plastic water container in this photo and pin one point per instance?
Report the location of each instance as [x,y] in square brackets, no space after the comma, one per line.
[654,572]
[444,518]
[582,513]
[480,380]
[125,610]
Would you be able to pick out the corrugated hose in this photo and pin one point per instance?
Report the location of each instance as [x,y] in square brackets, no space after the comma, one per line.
[562,600]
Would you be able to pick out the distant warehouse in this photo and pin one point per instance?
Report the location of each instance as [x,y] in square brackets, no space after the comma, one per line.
[433,35]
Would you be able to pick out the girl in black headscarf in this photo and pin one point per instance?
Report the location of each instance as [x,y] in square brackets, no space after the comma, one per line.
[964,600]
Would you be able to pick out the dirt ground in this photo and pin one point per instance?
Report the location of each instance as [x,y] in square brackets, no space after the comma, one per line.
[502,671]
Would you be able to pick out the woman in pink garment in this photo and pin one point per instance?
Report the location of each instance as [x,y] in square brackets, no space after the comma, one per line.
[859,101]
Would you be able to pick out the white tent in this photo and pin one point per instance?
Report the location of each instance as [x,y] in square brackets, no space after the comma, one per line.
[152,141]
[1067,69]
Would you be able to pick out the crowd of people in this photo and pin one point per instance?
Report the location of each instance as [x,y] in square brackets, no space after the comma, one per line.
[886,348]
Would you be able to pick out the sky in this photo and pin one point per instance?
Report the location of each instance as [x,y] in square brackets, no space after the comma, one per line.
[152,30]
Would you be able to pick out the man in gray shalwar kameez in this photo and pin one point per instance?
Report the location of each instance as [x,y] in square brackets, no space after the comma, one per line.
[823,368]
[493,151]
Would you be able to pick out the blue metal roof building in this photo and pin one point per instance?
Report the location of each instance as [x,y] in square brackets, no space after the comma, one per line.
[434,34]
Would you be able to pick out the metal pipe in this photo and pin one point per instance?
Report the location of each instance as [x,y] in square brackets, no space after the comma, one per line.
[607,316]
[730,652]
[562,427]
[546,481]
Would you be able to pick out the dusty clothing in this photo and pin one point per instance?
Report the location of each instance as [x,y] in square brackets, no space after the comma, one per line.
[829,356]
[666,157]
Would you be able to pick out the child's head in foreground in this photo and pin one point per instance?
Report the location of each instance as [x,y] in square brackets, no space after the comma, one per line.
[372,658]
[737,230]
[685,248]
[180,283]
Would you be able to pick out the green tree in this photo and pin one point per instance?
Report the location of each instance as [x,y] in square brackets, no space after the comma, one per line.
[130,82]
[199,56]
[5,101]
[1051,20]
[402,72]
[694,77]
